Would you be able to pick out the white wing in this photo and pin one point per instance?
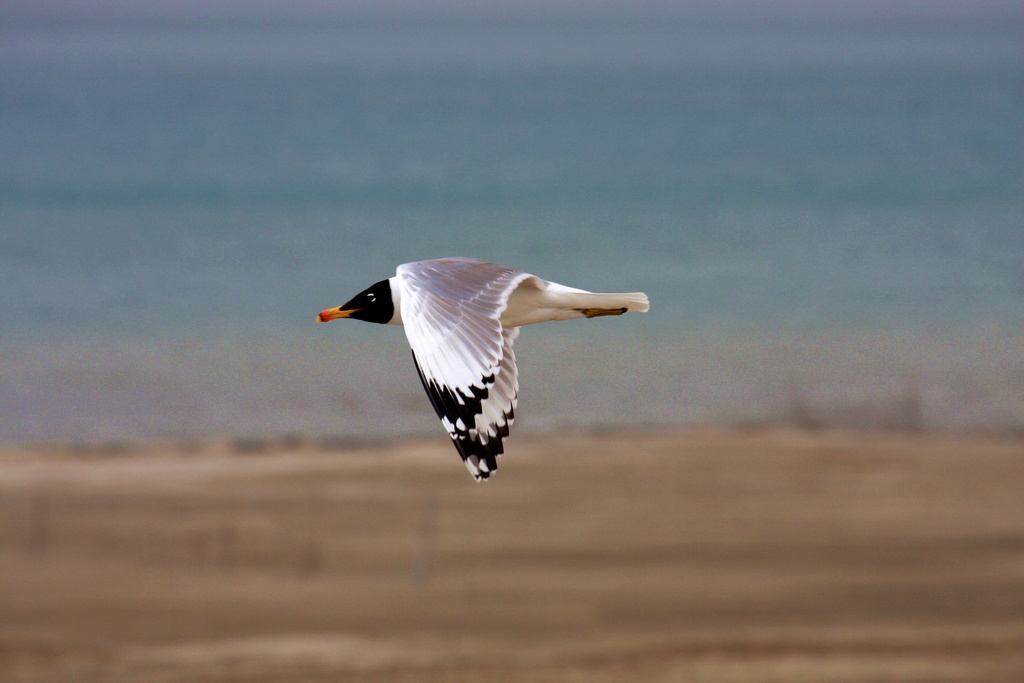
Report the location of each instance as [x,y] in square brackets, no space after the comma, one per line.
[451,310]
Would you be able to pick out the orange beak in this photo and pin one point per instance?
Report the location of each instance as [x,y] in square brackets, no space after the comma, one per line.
[334,313]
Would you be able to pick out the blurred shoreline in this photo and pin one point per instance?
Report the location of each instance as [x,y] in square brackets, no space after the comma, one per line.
[582,379]
[228,449]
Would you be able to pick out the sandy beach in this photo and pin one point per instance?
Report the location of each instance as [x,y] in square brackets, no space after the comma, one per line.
[700,555]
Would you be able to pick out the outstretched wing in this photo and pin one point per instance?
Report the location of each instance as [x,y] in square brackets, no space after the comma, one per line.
[451,310]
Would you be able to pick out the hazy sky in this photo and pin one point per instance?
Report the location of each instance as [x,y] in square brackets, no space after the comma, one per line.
[508,9]
[515,32]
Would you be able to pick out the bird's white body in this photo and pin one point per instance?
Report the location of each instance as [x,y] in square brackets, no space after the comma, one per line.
[534,300]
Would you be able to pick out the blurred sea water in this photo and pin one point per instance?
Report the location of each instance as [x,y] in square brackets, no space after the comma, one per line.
[826,209]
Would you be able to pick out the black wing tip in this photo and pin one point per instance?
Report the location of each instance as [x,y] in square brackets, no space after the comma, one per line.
[481,459]
[454,407]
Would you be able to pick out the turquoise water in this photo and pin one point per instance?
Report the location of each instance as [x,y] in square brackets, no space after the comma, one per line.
[183,188]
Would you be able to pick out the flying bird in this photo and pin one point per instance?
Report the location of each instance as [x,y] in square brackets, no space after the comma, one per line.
[461,316]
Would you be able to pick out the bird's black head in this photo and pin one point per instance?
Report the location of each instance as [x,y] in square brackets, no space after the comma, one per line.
[374,305]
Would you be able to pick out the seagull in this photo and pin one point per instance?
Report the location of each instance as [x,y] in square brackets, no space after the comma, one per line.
[461,316]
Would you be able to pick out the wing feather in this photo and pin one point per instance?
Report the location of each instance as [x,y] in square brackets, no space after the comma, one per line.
[451,310]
